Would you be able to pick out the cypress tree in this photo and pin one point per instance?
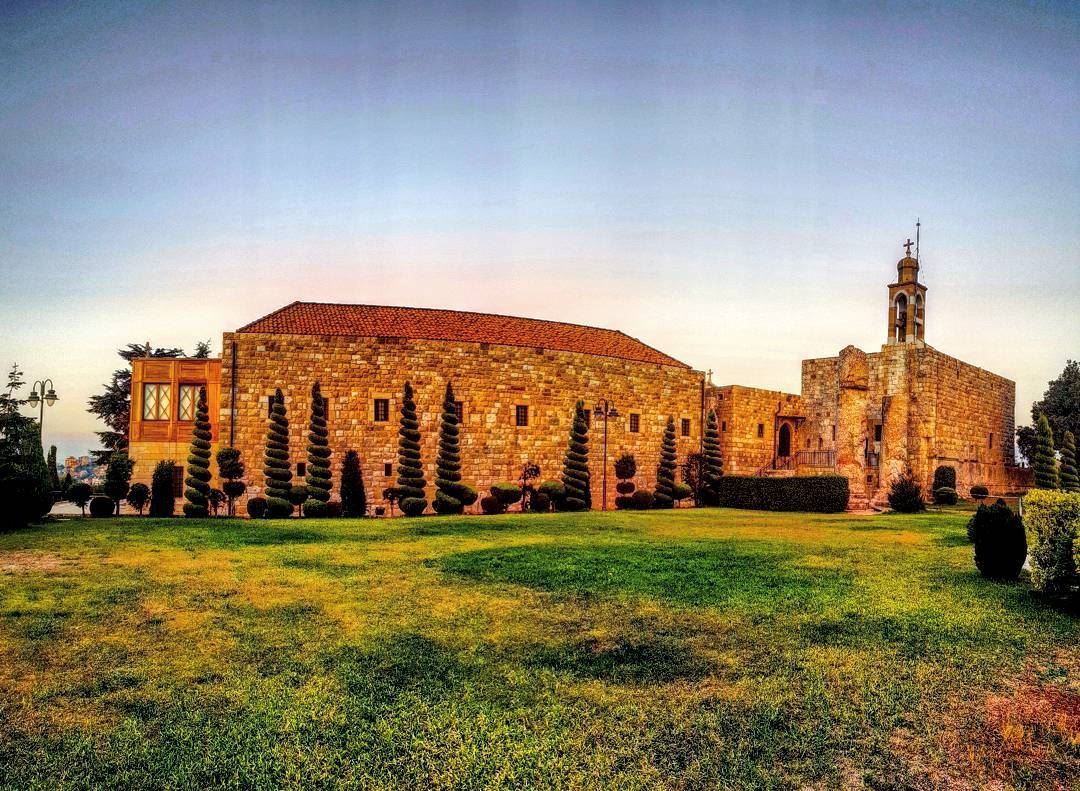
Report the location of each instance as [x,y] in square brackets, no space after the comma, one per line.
[410,468]
[714,463]
[1070,482]
[162,501]
[276,463]
[54,476]
[1046,474]
[318,468]
[197,493]
[448,486]
[353,496]
[663,497]
[575,475]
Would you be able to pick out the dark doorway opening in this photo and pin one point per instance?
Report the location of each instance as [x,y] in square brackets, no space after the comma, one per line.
[784,444]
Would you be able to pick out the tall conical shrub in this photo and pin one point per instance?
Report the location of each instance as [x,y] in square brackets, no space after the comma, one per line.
[353,496]
[1046,474]
[410,467]
[713,461]
[449,494]
[197,481]
[1070,481]
[318,451]
[575,475]
[276,462]
[54,476]
[665,471]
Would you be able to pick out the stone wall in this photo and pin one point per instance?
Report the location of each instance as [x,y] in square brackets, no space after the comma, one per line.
[739,412]
[490,380]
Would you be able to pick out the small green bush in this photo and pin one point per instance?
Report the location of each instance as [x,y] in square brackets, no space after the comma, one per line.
[979,492]
[79,494]
[299,494]
[491,505]
[905,495]
[539,503]
[333,509]
[681,491]
[624,502]
[467,495]
[413,506]
[814,493]
[256,507]
[102,507]
[945,495]
[162,498]
[554,490]
[506,493]
[138,496]
[1052,519]
[944,478]
[316,509]
[1000,547]
[625,487]
[641,500]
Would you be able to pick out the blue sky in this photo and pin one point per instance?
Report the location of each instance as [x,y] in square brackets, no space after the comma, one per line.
[729,183]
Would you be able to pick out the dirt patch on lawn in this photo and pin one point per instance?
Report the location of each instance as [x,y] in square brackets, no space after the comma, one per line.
[22,562]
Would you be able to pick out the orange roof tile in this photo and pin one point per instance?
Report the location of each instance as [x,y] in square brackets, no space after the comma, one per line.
[381,321]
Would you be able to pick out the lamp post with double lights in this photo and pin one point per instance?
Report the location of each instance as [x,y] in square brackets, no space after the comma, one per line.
[48,397]
[605,409]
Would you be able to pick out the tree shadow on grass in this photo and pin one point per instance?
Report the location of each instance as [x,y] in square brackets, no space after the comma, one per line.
[713,573]
[636,660]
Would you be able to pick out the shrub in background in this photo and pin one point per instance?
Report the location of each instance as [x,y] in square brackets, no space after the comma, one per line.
[506,493]
[539,503]
[491,505]
[410,468]
[625,469]
[1000,547]
[318,451]
[162,499]
[641,500]
[315,509]
[276,461]
[102,507]
[298,495]
[231,471]
[118,478]
[575,478]
[692,471]
[682,491]
[333,509]
[353,496]
[905,495]
[665,470]
[555,492]
[1067,475]
[449,489]
[138,496]
[79,494]
[979,492]
[256,507]
[945,496]
[1043,461]
[216,499]
[1052,520]
[714,462]
[814,493]
[944,478]
[197,481]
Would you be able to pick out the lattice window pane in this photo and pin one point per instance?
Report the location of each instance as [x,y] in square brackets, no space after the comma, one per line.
[156,401]
[187,402]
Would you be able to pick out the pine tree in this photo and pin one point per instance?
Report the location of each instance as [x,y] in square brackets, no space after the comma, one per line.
[276,463]
[575,475]
[1046,474]
[197,493]
[714,463]
[1070,482]
[449,489]
[353,496]
[231,471]
[410,468]
[663,497]
[318,468]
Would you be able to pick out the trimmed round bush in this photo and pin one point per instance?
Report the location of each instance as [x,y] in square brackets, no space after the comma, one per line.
[625,487]
[506,493]
[1000,544]
[256,507]
[945,495]
[413,506]
[446,505]
[681,491]
[944,478]
[905,495]
[102,507]
[491,505]
[316,509]
[298,495]
[467,495]
[624,502]
[554,490]
[539,503]
[333,509]
[979,492]
[641,500]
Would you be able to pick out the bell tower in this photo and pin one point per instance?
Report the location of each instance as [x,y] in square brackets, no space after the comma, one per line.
[907,302]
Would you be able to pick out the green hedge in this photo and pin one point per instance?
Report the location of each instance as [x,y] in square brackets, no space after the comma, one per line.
[819,493]
[1052,520]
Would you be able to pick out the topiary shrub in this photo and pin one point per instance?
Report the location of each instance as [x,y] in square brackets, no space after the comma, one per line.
[1043,461]
[410,467]
[682,491]
[979,492]
[333,509]
[539,503]
[413,506]
[905,495]
[197,482]
[577,495]
[162,498]
[506,493]
[945,496]
[714,467]
[1000,546]
[231,471]
[315,509]
[257,507]
[625,487]
[467,495]
[118,479]
[353,495]
[298,495]
[971,523]
[138,496]
[641,500]
[217,500]
[1052,520]
[448,486]
[555,492]
[491,505]
[664,497]
[1067,475]
[276,461]
[624,502]
[101,507]
[318,450]
[79,494]
[814,493]
[944,478]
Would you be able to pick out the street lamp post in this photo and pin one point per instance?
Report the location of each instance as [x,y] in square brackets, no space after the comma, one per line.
[44,397]
[605,409]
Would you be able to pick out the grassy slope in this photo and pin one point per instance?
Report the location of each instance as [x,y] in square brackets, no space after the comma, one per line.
[685,649]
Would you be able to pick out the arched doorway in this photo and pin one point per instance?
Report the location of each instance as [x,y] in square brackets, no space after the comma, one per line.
[783,446]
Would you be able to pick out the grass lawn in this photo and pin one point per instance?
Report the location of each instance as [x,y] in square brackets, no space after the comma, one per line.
[683,649]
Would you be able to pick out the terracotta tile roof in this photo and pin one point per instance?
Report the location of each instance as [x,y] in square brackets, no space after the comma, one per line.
[317,318]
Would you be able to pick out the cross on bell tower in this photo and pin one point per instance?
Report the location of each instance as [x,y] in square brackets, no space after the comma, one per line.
[907,302]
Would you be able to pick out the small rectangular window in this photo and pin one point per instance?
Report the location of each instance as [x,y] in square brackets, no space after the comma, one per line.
[301,469]
[189,398]
[388,469]
[521,415]
[382,410]
[723,425]
[834,433]
[685,427]
[877,433]
[178,481]
[157,401]
[991,440]
[761,429]
[459,410]
[635,423]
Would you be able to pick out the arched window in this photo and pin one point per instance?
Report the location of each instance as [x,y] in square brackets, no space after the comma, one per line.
[901,317]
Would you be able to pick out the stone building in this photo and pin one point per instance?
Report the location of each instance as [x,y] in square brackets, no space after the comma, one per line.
[867,416]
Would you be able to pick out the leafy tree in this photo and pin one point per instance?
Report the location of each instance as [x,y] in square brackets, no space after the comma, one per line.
[113,405]
[197,492]
[1069,480]
[1025,442]
[118,479]
[1061,403]
[713,461]
[318,468]
[54,476]
[353,496]
[449,490]
[79,494]
[1046,474]
[575,477]
[65,484]
[202,350]
[276,464]
[693,475]
[231,471]
[663,497]
[138,496]
[24,477]
[162,497]
[410,468]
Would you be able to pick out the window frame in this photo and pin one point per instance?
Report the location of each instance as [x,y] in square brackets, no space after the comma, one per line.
[684,427]
[375,404]
[168,405]
[761,431]
[521,415]
[635,423]
[194,401]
